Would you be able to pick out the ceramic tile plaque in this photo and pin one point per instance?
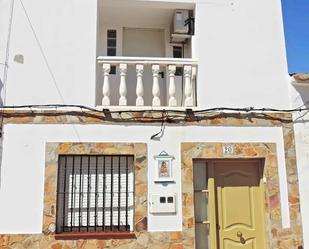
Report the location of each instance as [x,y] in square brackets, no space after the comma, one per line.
[164,167]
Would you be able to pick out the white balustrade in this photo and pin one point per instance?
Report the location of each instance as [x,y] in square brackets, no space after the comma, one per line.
[188,85]
[106,88]
[123,85]
[139,85]
[155,87]
[172,87]
[126,80]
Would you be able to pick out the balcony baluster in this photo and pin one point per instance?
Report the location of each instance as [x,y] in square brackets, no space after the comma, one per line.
[123,85]
[155,87]
[139,85]
[106,87]
[188,85]
[172,87]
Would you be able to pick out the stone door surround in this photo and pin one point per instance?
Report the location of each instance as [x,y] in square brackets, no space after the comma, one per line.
[277,236]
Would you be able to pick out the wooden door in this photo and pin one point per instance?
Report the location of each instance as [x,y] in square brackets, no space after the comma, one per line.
[239,210]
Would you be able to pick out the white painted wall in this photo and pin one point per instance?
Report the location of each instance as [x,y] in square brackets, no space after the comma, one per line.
[300,97]
[66,31]
[23,163]
[239,44]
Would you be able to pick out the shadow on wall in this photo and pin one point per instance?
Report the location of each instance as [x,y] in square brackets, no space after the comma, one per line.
[303,91]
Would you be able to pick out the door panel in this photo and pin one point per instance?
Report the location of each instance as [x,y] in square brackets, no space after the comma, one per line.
[229,244]
[234,214]
[202,236]
[201,205]
[239,204]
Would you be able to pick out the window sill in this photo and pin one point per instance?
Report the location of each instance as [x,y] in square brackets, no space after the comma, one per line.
[95,235]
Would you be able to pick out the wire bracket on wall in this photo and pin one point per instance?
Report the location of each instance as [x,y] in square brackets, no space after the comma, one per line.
[160,134]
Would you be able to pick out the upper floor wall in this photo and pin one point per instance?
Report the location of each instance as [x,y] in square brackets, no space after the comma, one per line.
[239,47]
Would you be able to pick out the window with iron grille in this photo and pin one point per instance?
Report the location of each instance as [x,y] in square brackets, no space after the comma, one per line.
[95,193]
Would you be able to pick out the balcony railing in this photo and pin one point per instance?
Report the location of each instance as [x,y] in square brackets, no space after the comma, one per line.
[156,67]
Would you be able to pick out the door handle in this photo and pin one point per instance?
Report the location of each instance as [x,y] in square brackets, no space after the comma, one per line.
[241,238]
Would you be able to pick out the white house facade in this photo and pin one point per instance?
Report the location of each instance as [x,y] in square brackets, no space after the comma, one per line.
[148,124]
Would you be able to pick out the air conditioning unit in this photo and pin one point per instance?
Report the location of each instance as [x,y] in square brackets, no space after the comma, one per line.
[182,26]
[180,18]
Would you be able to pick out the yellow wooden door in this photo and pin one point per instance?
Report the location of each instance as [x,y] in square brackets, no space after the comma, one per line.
[239,211]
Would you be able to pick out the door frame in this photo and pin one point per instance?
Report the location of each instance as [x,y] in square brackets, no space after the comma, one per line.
[191,151]
[212,195]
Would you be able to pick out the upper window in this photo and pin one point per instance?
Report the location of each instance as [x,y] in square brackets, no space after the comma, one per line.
[111,42]
[112,46]
[177,52]
[95,193]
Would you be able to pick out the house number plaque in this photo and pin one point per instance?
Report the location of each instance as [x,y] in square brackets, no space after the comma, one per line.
[228,149]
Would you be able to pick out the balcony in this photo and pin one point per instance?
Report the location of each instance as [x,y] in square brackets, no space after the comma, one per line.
[147,81]
[143,58]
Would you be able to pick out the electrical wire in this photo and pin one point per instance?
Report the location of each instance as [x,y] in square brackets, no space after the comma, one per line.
[160,134]
[42,51]
[214,109]
[46,60]
[4,80]
[146,115]
[6,63]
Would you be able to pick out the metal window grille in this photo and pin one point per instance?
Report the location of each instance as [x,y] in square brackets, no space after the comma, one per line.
[95,193]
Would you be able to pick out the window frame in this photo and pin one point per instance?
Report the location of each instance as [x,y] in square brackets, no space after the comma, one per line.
[85,169]
[54,149]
